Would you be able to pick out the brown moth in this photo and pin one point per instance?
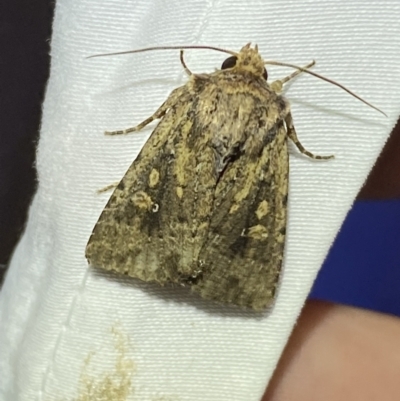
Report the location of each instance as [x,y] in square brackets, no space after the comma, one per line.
[205,202]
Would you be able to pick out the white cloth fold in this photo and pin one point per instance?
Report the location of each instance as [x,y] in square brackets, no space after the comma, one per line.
[55,310]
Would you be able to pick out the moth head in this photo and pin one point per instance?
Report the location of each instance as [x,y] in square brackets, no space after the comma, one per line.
[248,60]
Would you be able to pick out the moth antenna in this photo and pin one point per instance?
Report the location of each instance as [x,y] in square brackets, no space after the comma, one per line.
[148,49]
[327,80]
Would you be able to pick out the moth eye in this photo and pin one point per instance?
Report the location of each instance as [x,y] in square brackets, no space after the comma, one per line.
[265,74]
[229,63]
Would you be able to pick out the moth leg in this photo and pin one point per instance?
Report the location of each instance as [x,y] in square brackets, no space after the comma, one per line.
[158,114]
[175,94]
[185,67]
[278,84]
[108,187]
[291,132]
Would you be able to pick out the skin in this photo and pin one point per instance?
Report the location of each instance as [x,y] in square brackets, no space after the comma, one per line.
[339,353]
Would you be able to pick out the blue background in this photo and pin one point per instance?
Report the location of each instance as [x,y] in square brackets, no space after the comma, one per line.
[363,266]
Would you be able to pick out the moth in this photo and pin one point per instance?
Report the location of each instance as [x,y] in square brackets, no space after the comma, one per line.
[204,204]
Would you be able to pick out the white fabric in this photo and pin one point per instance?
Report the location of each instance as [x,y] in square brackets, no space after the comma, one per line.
[55,310]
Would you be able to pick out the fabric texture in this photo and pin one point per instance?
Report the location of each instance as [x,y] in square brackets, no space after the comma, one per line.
[56,312]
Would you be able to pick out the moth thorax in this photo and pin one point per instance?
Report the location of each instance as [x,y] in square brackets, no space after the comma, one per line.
[249,60]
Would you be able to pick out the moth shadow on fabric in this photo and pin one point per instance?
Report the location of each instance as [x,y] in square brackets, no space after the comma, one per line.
[331,111]
[137,84]
[174,293]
